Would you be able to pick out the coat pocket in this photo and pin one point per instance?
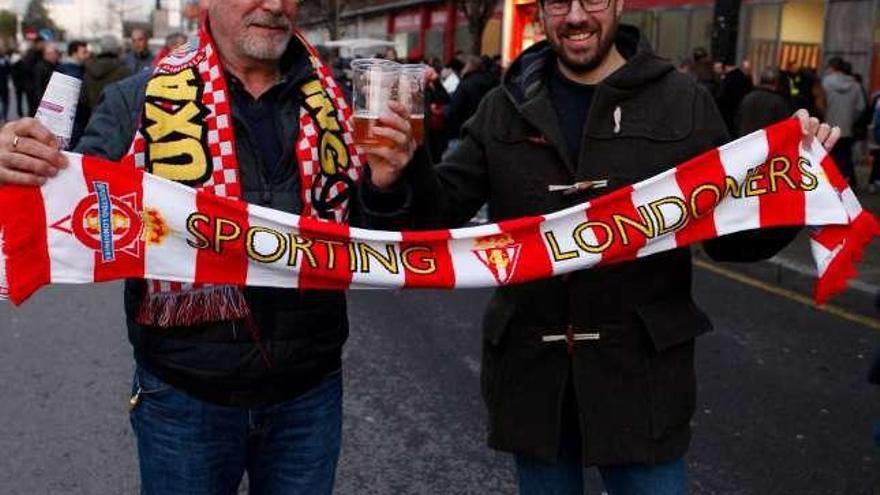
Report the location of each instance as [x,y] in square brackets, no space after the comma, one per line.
[672,323]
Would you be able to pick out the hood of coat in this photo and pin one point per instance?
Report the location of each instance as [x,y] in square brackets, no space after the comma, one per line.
[102,67]
[527,75]
[840,83]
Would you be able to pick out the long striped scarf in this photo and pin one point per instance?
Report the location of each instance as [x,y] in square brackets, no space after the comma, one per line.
[97,222]
[186,135]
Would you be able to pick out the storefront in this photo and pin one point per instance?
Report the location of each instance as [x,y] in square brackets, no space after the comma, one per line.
[521,28]
[787,35]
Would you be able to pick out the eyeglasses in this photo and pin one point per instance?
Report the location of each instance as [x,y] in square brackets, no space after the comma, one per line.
[563,7]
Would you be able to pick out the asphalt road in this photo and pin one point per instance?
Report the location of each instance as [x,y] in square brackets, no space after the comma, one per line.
[784,407]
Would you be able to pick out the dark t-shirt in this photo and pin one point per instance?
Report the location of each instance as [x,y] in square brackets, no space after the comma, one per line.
[572,102]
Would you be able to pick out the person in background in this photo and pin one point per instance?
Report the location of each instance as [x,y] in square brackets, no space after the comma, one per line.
[451,75]
[19,83]
[44,68]
[172,41]
[735,85]
[874,144]
[28,68]
[703,71]
[139,57]
[391,54]
[105,68]
[5,74]
[764,106]
[846,102]
[475,83]
[807,92]
[436,100]
[73,64]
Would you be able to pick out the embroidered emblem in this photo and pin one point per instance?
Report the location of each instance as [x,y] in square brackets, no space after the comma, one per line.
[105,223]
[500,254]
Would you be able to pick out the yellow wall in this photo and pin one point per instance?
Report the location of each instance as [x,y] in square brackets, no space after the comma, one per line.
[803,21]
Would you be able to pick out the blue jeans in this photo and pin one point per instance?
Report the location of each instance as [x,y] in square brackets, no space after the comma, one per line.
[190,447]
[567,478]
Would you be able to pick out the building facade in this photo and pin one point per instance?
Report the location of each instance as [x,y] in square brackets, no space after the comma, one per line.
[420,29]
[788,34]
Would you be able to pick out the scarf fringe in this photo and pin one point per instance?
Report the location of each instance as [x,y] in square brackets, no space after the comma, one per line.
[856,237]
[194,307]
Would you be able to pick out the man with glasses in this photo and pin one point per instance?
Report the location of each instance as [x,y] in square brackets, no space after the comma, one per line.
[595,368]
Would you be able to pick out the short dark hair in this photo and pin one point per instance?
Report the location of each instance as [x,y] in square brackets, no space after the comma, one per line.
[74,47]
[837,63]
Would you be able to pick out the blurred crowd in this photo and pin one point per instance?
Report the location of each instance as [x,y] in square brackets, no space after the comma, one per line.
[749,102]
[97,63]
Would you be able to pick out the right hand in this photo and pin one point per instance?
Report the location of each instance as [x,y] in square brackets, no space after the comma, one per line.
[29,153]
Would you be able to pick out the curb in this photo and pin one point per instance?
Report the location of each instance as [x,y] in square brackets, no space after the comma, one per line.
[798,277]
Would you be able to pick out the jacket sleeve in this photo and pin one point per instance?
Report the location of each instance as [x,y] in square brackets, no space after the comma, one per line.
[751,245]
[445,195]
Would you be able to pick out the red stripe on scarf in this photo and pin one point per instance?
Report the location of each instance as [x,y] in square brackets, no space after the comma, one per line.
[25,245]
[701,200]
[619,202]
[788,205]
[331,264]
[534,260]
[834,176]
[228,218]
[126,191]
[416,248]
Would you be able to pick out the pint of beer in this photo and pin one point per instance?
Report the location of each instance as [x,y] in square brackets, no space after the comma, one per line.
[412,95]
[375,83]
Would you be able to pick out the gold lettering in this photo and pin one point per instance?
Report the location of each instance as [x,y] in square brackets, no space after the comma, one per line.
[389,262]
[695,196]
[324,111]
[584,245]
[190,162]
[222,235]
[558,255]
[661,218]
[781,173]
[646,227]
[331,252]
[333,154]
[176,87]
[251,245]
[732,188]
[301,245]
[809,182]
[164,123]
[751,188]
[202,241]
[423,265]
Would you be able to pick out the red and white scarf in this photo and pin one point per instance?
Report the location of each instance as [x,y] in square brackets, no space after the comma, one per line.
[97,222]
[186,134]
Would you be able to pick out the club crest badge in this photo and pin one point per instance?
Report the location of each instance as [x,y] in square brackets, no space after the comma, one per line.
[107,224]
[500,253]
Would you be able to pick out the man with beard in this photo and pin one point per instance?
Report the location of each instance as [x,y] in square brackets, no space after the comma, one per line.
[227,380]
[594,368]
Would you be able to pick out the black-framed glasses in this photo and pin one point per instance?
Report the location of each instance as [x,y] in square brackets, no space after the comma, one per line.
[563,7]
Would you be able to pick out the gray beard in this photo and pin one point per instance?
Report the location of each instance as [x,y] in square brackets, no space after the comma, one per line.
[260,48]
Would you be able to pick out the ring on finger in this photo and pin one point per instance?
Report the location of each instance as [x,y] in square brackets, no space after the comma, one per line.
[15,139]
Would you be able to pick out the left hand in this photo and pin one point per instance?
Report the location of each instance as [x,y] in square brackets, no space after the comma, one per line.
[388,162]
[811,129]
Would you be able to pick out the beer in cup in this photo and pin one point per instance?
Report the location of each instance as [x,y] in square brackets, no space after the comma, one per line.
[412,96]
[375,83]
